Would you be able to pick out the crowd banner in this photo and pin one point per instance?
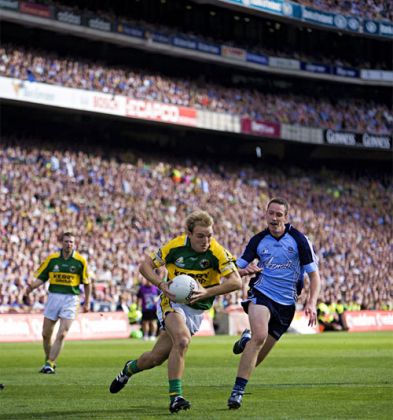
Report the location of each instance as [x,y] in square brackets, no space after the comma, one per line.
[218,121]
[284,63]
[89,326]
[261,59]
[346,72]
[301,134]
[160,112]
[350,138]
[338,21]
[361,321]
[260,128]
[9,5]
[134,31]
[377,75]
[91,101]
[99,23]
[315,67]
[68,16]
[39,10]
[233,53]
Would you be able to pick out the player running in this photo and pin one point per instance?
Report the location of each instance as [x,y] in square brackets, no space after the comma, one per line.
[199,255]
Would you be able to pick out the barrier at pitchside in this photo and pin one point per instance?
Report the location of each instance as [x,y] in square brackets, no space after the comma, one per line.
[91,326]
[359,321]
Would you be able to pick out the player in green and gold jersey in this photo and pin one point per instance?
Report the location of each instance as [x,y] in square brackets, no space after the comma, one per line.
[65,270]
[199,255]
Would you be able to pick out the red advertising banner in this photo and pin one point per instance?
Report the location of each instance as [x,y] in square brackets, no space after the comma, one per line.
[91,326]
[157,111]
[358,321]
[35,9]
[260,128]
[233,52]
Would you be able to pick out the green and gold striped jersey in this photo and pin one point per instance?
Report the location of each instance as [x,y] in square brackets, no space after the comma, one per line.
[64,275]
[207,267]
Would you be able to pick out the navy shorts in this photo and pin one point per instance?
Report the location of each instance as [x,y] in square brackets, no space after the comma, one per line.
[149,315]
[280,315]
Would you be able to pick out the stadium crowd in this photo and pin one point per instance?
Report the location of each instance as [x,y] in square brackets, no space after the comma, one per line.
[339,114]
[266,43]
[121,208]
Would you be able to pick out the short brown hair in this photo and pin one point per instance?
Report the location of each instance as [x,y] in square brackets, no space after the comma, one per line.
[281,201]
[198,217]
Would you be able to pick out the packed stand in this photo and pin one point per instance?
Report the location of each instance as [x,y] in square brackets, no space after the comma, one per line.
[370,9]
[123,209]
[353,115]
[271,45]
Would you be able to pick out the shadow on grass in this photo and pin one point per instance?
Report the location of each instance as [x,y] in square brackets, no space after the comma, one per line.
[142,411]
[318,384]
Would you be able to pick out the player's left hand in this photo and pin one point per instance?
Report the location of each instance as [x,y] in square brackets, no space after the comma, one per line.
[311,312]
[198,294]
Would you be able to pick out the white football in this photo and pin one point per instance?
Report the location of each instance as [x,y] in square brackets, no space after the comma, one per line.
[182,286]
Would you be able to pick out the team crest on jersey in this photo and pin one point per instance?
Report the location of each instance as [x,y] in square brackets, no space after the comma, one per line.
[204,263]
[56,268]
[291,250]
[180,262]
[265,251]
[73,269]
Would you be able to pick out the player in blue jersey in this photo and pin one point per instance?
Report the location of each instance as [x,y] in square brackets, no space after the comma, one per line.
[283,254]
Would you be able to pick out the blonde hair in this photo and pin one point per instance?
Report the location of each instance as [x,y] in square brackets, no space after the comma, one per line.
[198,217]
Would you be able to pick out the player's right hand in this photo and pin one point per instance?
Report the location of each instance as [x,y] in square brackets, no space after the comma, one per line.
[164,287]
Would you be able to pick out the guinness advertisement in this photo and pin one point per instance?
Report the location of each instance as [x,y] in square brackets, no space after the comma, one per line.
[348,138]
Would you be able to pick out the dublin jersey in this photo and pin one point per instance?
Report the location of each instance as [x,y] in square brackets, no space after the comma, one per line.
[207,267]
[283,261]
[64,275]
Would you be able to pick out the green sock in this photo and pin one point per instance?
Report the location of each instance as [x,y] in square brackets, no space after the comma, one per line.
[175,388]
[131,368]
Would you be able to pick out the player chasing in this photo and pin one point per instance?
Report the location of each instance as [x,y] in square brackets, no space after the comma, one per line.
[65,270]
[199,255]
[284,254]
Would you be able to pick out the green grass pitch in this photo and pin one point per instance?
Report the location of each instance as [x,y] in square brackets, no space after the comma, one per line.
[326,376]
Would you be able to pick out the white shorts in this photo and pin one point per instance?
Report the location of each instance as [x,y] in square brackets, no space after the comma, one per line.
[62,306]
[192,317]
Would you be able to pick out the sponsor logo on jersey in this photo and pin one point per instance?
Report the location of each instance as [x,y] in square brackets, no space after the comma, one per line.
[180,262]
[273,266]
[56,268]
[204,263]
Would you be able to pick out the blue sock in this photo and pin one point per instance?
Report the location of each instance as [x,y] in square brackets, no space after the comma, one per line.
[240,385]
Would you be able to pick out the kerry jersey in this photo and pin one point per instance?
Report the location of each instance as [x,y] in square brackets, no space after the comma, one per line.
[64,275]
[207,267]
